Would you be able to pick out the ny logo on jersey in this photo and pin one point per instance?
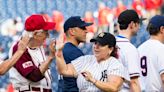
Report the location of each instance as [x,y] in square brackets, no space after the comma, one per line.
[103,75]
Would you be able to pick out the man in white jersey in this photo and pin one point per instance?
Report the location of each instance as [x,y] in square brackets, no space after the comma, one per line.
[129,23]
[31,72]
[152,56]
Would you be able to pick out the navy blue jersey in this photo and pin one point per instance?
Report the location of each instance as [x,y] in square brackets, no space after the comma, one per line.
[70,52]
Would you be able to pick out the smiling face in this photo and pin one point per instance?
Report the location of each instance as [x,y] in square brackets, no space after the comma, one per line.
[101,52]
[40,36]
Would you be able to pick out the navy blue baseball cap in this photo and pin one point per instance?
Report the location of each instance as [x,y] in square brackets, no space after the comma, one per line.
[157,21]
[75,21]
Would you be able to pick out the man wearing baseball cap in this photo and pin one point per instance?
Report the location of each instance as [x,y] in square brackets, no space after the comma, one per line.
[31,72]
[151,56]
[129,23]
[75,30]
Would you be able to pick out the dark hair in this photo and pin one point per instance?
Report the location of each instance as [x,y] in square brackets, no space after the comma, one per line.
[114,52]
[125,26]
[152,29]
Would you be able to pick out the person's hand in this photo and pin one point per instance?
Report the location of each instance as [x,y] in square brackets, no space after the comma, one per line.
[52,48]
[87,75]
[59,47]
[23,43]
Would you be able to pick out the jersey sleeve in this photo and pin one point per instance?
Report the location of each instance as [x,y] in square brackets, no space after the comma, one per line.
[133,62]
[119,70]
[26,67]
[79,63]
[161,61]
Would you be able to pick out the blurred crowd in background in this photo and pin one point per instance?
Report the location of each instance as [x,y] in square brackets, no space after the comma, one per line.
[103,13]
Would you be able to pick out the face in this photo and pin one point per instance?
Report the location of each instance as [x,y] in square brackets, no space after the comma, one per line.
[101,52]
[80,34]
[41,36]
[135,27]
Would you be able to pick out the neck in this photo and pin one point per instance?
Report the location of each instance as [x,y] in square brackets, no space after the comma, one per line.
[102,59]
[73,41]
[125,33]
[33,44]
[157,37]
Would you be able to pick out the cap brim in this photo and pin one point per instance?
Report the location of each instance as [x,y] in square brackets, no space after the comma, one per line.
[93,40]
[142,19]
[49,26]
[97,40]
[86,24]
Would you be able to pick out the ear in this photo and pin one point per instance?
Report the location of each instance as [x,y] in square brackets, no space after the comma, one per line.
[71,31]
[162,29]
[110,50]
[34,35]
[131,24]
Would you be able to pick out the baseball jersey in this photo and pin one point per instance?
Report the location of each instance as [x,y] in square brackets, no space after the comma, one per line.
[99,71]
[30,60]
[129,56]
[152,65]
[70,52]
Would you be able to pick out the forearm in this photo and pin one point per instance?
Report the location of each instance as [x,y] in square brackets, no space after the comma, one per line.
[162,78]
[45,65]
[6,65]
[134,85]
[63,68]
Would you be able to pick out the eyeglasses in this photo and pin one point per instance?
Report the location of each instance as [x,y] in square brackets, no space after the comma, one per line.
[83,28]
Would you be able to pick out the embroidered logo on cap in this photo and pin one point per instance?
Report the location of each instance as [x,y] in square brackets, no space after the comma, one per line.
[101,35]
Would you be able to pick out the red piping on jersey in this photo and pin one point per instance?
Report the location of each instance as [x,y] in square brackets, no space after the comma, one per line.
[44,61]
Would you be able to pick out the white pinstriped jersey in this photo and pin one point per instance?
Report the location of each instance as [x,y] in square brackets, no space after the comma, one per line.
[20,82]
[129,57]
[99,71]
[152,65]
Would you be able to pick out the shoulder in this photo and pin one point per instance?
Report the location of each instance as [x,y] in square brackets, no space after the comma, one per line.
[70,47]
[87,57]
[115,61]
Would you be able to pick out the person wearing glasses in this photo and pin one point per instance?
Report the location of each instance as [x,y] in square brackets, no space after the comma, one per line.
[31,73]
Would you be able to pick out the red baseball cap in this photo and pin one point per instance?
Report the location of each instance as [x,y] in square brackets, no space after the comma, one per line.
[37,22]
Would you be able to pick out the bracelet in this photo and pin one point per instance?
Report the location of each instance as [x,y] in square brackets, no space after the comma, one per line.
[94,82]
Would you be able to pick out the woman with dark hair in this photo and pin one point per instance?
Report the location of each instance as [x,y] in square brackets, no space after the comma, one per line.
[98,72]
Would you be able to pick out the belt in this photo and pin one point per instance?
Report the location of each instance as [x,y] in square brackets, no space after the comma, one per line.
[38,89]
